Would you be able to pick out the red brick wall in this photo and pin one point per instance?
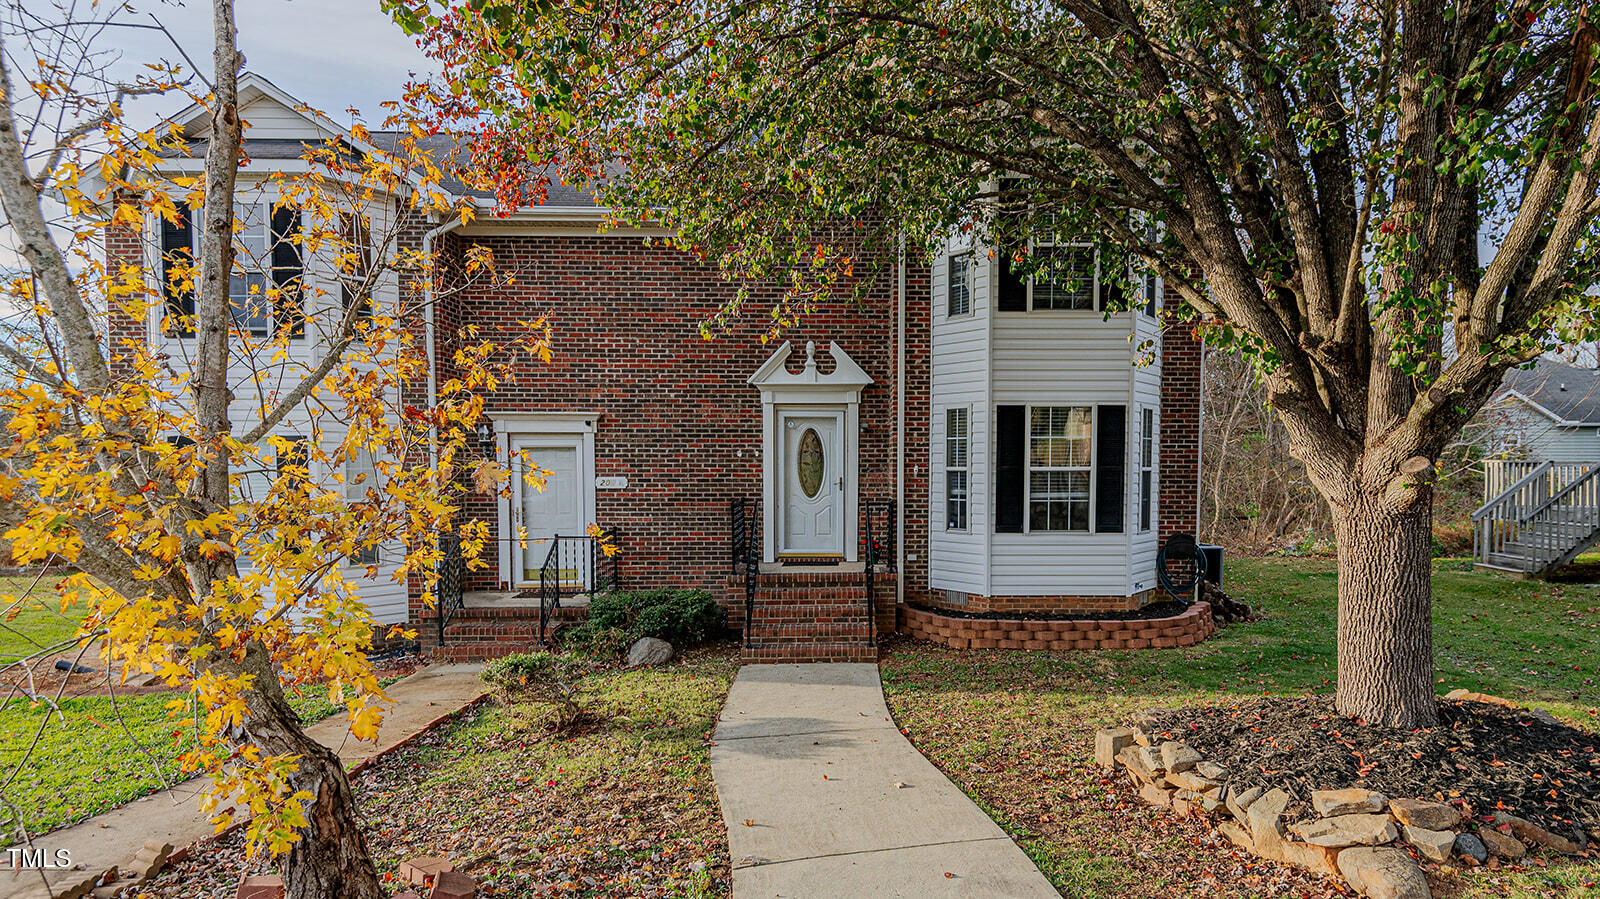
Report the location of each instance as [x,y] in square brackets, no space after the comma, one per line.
[1180,431]
[1056,603]
[123,248]
[677,418]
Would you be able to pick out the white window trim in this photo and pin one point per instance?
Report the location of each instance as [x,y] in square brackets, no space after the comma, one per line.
[967,468]
[1027,479]
[1094,287]
[972,284]
[1141,469]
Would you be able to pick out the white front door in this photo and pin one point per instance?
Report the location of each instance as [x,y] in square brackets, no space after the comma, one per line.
[557,510]
[811,488]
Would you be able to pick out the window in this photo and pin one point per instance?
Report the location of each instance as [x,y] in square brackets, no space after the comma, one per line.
[1060,442]
[960,284]
[355,266]
[956,436]
[1147,464]
[360,476]
[294,462]
[1060,468]
[267,262]
[1066,277]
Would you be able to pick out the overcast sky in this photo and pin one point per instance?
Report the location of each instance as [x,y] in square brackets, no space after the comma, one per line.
[332,54]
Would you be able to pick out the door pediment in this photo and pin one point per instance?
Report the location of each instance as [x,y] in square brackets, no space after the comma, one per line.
[809,385]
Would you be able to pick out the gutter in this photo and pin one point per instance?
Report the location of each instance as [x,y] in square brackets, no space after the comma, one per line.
[428,329]
[900,424]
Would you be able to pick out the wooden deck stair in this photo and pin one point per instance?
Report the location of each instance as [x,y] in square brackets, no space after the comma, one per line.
[1542,521]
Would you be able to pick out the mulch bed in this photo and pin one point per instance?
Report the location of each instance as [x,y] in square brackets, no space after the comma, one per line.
[1489,757]
[1164,609]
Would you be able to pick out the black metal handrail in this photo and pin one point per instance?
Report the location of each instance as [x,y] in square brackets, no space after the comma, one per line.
[877,548]
[744,525]
[574,566]
[447,590]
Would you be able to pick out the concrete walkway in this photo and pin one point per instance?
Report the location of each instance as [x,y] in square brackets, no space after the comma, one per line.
[809,769]
[173,816]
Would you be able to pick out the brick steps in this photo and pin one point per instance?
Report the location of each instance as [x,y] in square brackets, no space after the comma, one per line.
[810,617]
[478,634]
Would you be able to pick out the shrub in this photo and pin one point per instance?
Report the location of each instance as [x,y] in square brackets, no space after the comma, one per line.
[592,642]
[681,617]
[540,677]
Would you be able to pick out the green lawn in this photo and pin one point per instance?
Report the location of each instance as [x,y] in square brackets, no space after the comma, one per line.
[1015,729]
[31,617]
[622,806]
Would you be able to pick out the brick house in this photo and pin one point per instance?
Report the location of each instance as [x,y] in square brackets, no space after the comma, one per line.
[992,434]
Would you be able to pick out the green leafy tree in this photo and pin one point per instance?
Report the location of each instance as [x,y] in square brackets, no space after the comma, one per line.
[1311,179]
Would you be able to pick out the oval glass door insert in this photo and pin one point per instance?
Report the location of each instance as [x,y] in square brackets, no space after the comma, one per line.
[809,464]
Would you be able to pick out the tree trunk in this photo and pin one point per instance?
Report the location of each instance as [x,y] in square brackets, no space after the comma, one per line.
[330,857]
[1385,609]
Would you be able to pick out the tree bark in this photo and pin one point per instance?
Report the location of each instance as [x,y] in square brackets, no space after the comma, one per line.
[1385,608]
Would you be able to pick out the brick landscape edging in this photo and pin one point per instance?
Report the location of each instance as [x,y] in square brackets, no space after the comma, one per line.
[1187,629]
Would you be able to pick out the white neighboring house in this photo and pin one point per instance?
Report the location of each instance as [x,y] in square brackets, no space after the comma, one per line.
[1550,412]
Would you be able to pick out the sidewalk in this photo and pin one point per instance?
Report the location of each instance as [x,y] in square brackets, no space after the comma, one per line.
[824,797]
[173,816]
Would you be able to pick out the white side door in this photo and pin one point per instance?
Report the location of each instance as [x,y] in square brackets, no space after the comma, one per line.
[811,484]
[556,510]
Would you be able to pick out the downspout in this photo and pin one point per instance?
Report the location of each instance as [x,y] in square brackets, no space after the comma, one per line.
[428,329]
[900,425]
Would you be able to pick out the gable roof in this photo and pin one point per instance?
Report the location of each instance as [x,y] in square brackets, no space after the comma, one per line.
[1566,394]
[447,150]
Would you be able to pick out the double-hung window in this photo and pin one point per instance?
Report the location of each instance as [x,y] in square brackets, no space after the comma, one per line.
[1060,446]
[1147,465]
[959,284]
[957,433]
[264,292]
[1065,278]
[355,268]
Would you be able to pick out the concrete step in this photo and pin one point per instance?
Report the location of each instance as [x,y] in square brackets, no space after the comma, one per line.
[850,651]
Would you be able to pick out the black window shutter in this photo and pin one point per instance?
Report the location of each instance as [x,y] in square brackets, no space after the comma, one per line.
[1010,467]
[1013,287]
[1113,270]
[177,246]
[287,270]
[1110,462]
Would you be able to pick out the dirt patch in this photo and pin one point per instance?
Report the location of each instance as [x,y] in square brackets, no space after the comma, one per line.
[1484,757]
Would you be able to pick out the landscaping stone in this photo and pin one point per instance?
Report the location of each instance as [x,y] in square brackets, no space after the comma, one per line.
[1189,780]
[1503,845]
[1423,813]
[1435,845]
[1237,835]
[1265,819]
[1151,757]
[1347,830]
[1238,801]
[1321,859]
[1155,795]
[151,859]
[260,886]
[1211,804]
[1182,805]
[1383,872]
[454,885]
[1109,742]
[1349,801]
[1143,737]
[1177,757]
[418,871]
[648,652]
[407,894]
[1211,770]
[1529,832]
[1133,760]
[1469,846]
